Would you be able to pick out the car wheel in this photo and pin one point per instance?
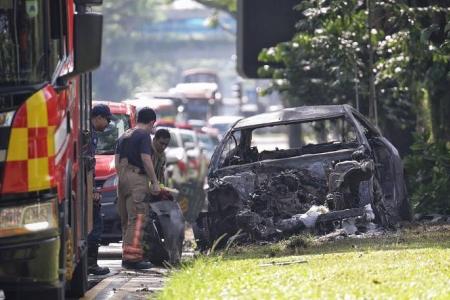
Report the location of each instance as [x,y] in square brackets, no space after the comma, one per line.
[405,210]
[201,232]
[222,226]
[383,213]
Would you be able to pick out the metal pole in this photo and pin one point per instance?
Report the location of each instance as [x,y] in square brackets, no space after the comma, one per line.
[373,114]
[356,85]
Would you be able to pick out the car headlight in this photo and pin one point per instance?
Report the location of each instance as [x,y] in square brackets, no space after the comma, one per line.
[6,118]
[27,218]
[111,182]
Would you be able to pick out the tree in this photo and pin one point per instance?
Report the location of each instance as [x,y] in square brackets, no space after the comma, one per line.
[122,68]
[228,6]
[327,63]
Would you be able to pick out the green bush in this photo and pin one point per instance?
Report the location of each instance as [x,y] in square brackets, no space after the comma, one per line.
[428,170]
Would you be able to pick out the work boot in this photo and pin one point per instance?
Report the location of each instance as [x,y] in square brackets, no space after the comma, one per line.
[93,267]
[136,265]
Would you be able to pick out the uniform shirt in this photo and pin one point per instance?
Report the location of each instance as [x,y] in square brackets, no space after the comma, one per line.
[159,163]
[132,144]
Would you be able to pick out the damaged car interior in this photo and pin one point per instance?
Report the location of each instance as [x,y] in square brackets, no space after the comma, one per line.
[324,165]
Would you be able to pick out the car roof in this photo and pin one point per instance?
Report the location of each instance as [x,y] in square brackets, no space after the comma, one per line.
[150,102]
[223,119]
[196,122]
[203,90]
[199,71]
[287,115]
[173,96]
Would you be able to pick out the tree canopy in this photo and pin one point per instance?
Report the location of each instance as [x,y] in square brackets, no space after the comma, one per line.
[402,51]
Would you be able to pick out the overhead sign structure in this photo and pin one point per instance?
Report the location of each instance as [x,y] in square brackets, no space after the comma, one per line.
[262,24]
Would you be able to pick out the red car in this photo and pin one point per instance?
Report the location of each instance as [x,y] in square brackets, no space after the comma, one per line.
[105,171]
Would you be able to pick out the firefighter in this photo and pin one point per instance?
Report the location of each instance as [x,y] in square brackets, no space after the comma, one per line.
[135,171]
[100,119]
[159,143]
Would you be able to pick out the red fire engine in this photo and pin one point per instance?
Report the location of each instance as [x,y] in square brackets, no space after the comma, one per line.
[47,49]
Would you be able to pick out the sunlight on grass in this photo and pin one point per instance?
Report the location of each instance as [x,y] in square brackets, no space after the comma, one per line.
[409,266]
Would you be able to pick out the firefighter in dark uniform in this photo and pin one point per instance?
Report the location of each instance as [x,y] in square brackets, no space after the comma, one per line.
[135,170]
[100,118]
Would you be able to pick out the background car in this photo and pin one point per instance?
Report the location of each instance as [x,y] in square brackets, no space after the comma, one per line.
[208,142]
[197,160]
[105,172]
[222,123]
[166,109]
[177,160]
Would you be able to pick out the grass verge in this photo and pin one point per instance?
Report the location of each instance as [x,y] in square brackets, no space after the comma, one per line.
[411,264]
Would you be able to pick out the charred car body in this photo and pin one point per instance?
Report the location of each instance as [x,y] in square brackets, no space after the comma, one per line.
[274,170]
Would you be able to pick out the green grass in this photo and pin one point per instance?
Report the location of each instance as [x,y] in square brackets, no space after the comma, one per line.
[414,264]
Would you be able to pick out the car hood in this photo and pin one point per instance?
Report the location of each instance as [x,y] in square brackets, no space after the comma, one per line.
[104,166]
[175,154]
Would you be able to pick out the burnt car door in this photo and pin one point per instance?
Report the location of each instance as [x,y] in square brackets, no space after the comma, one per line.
[388,171]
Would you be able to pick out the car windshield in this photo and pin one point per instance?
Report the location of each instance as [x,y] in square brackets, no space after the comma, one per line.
[22,42]
[336,130]
[166,113]
[187,138]
[287,140]
[197,109]
[107,139]
[207,142]
[173,141]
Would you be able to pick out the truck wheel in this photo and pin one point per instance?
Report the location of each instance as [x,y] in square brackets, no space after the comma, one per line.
[55,293]
[79,283]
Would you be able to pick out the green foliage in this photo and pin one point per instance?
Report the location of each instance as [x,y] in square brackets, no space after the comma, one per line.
[429,175]
[327,60]
[229,6]
[298,242]
[122,68]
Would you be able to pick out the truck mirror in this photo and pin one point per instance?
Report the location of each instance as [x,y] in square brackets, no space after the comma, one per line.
[88,42]
[88,2]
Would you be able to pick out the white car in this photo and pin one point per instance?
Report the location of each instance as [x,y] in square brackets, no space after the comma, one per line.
[165,108]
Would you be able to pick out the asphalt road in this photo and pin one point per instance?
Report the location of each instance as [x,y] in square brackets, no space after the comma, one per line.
[126,284]
[121,283]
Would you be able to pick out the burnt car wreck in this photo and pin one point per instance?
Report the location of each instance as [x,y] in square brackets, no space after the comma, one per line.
[279,173]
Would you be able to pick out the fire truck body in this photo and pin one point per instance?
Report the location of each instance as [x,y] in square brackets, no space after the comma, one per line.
[45,164]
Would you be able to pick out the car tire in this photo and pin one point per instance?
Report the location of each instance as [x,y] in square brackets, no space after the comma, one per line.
[405,210]
[383,216]
[201,232]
